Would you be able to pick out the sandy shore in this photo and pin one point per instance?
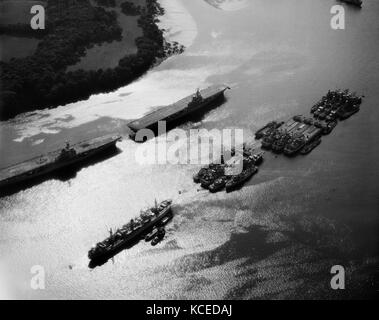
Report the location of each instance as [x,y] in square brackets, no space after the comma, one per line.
[128,102]
[178,23]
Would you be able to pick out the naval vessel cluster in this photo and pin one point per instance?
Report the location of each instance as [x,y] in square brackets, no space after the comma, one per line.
[302,134]
[299,134]
[217,176]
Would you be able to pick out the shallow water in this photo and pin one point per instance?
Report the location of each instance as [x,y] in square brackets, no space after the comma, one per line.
[277,237]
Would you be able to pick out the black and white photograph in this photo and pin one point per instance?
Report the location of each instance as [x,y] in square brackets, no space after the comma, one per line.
[189,150]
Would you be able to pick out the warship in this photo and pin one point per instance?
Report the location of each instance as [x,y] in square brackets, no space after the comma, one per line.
[271,126]
[205,171]
[218,184]
[279,145]
[330,127]
[238,180]
[295,145]
[131,232]
[56,160]
[347,111]
[300,140]
[215,177]
[257,158]
[287,128]
[178,110]
[211,177]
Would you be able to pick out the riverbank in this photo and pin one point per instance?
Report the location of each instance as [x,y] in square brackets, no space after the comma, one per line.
[40,81]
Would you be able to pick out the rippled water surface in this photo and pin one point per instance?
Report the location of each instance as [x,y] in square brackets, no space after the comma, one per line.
[277,237]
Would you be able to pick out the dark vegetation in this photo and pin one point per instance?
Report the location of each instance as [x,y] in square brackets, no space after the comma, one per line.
[130,8]
[106,3]
[41,80]
[22,30]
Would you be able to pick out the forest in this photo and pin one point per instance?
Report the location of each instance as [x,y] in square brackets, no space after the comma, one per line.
[41,81]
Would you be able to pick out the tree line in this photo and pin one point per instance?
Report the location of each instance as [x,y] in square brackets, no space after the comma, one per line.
[41,80]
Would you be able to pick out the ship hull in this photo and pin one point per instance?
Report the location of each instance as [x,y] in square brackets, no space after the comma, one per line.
[177,111]
[309,147]
[133,238]
[50,167]
[233,186]
[291,152]
[216,188]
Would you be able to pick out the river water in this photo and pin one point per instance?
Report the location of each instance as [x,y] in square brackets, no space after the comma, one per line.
[279,236]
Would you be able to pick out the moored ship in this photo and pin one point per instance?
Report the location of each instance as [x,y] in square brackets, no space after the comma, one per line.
[295,145]
[310,146]
[218,184]
[271,126]
[55,160]
[131,232]
[237,181]
[178,110]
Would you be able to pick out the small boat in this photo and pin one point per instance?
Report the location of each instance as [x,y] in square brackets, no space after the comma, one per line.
[150,236]
[159,237]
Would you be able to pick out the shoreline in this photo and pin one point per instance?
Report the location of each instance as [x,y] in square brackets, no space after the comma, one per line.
[179,25]
[75,86]
[133,95]
[126,102]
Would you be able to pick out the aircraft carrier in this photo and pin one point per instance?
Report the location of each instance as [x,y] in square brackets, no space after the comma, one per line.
[178,110]
[55,160]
